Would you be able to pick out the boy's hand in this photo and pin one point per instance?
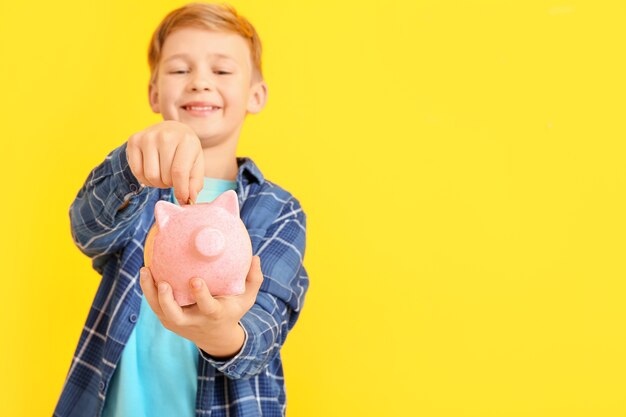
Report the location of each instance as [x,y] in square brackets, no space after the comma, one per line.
[213,322]
[168,154]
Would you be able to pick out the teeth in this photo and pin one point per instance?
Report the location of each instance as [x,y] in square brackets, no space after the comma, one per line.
[201,108]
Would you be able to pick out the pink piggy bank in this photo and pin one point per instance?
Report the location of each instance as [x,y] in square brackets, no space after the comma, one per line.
[206,240]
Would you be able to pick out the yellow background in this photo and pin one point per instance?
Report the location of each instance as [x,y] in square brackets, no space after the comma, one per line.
[461,165]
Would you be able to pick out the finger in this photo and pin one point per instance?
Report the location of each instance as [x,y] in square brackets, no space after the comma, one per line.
[151,166]
[166,159]
[149,290]
[182,164]
[171,310]
[206,303]
[135,161]
[196,178]
[253,280]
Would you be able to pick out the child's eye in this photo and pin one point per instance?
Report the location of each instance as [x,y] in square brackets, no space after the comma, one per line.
[184,71]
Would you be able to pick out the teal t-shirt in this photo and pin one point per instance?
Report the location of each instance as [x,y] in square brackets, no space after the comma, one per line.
[157,373]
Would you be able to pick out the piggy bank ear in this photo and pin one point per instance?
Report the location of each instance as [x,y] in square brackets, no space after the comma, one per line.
[228,201]
[163,211]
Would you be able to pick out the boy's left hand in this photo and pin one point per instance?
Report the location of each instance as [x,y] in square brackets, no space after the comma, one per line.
[213,322]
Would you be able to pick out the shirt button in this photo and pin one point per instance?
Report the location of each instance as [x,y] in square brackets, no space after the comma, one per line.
[232,368]
[132,318]
[101,385]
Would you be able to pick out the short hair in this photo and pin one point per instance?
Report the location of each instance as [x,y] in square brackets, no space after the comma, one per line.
[220,17]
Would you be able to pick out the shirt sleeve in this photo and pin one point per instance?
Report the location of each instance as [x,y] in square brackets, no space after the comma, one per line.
[98,227]
[280,298]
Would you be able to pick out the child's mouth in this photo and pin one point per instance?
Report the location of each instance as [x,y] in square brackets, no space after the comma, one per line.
[200,110]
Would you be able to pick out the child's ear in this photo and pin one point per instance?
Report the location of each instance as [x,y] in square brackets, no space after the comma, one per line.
[258,97]
[153,97]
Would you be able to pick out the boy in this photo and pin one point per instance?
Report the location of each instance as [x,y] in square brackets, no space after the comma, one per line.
[140,354]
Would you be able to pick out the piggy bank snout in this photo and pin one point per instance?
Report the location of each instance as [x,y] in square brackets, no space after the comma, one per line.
[209,242]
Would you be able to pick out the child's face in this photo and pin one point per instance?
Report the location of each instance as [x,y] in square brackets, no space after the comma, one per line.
[192,70]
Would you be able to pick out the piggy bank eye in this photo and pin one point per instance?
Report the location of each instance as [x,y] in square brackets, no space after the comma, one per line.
[209,242]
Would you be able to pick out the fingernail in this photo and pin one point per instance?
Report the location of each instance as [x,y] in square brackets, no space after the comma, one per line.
[162,287]
[196,283]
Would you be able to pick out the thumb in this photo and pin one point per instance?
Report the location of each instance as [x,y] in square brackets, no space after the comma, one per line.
[145,275]
[196,179]
[145,271]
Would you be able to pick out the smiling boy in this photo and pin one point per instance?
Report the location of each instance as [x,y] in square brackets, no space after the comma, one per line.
[140,353]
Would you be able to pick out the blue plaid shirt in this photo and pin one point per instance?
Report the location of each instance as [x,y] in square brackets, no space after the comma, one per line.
[249,384]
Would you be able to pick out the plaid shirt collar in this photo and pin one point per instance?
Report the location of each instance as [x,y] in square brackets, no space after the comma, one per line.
[248,170]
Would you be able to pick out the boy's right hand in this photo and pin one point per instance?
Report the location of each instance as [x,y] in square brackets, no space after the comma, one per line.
[168,154]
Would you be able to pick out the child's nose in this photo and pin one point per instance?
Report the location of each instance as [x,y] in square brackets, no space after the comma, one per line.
[201,82]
